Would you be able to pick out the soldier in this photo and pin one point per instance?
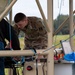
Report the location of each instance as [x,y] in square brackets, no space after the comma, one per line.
[35,32]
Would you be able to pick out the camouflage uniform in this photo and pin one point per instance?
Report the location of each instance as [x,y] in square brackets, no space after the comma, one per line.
[35,34]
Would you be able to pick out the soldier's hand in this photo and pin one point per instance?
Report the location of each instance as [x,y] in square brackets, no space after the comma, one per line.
[16,58]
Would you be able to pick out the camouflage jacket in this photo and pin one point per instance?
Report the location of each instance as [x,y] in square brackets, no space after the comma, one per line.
[35,34]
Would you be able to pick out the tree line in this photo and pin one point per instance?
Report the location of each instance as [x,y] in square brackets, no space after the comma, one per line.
[59,20]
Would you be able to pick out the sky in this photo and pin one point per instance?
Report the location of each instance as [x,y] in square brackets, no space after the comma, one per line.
[30,8]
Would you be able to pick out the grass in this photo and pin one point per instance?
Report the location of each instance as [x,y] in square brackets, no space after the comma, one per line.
[56,39]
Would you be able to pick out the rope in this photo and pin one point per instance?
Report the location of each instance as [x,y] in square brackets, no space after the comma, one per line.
[59,13]
[10,32]
[10,37]
[60,7]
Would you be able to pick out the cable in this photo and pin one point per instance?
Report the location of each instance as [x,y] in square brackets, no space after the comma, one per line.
[57,44]
[10,37]
[35,53]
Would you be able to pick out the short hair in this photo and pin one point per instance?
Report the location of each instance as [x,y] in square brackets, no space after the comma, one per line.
[18,17]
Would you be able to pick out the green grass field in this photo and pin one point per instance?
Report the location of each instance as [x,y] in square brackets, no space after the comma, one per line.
[56,39]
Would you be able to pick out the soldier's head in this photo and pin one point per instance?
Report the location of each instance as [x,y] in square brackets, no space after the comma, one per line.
[20,20]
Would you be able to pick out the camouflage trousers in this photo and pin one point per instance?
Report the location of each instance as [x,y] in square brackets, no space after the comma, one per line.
[38,44]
